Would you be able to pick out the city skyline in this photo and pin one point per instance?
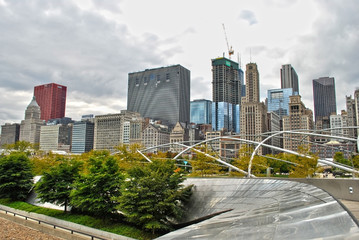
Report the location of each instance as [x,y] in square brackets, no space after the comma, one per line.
[91,46]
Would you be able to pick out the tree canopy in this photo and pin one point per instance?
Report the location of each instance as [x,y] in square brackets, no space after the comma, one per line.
[95,191]
[56,184]
[153,194]
[16,179]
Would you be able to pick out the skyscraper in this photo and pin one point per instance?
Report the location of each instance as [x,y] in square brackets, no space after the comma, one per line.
[31,126]
[226,93]
[161,94]
[356,100]
[82,136]
[10,133]
[51,99]
[289,78]
[351,116]
[253,112]
[324,97]
[278,101]
[299,117]
[201,111]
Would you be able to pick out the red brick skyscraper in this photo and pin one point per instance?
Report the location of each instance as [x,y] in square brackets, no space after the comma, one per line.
[51,98]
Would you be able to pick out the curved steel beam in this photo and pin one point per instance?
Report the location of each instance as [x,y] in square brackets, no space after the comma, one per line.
[218,160]
[291,132]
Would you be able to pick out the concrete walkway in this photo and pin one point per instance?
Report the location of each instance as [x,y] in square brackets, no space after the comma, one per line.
[353,207]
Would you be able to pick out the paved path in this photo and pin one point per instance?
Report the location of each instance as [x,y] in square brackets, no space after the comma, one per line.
[353,207]
[12,231]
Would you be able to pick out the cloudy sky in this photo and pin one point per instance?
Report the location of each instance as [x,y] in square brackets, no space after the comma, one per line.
[90,46]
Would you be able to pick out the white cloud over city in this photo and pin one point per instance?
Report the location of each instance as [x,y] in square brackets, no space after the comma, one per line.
[91,46]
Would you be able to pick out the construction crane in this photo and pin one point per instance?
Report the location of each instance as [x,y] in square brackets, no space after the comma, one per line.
[230,50]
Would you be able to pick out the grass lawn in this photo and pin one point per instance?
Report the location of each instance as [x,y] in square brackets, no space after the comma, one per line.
[108,225]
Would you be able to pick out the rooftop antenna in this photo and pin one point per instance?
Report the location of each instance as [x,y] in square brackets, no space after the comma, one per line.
[250,55]
[239,60]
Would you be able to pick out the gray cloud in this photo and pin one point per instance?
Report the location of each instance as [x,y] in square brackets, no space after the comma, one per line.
[203,87]
[331,50]
[109,5]
[248,16]
[58,42]
[280,3]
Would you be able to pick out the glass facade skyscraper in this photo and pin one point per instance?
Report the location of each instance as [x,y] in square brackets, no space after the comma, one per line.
[241,79]
[324,97]
[278,101]
[226,92]
[201,111]
[289,78]
[82,136]
[161,94]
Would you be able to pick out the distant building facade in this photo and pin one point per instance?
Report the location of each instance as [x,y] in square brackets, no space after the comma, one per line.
[161,94]
[299,118]
[351,116]
[179,134]
[226,93]
[356,100]
[337,125]
[289,78]
[214,145]
[201,111]
[10,133]
[56,137]
[82,136]
[274,126]
[328,150]
[52,100]
[278,101]
[30,127]
[155,135]
[324,97]
[114,129]
[253,112]
[193,134]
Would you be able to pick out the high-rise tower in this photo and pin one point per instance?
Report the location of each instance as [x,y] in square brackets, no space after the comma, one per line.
[289,78]
[226,93]
[201,111]
[51,99]
[253,112]
[324,97]
[299,118]
[351,116]
[31,126]
[161,94]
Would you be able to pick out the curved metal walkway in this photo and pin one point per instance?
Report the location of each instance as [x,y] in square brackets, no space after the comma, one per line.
[263,209]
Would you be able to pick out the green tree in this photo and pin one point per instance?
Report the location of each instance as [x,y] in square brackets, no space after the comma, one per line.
[355,159]
[203,165]
[259,163]
[129,156]
[339,157]
[21,146]
[153,194]
[41,164]
[56,184]
[16,179]
[95,191]
[306,166]
[277,165]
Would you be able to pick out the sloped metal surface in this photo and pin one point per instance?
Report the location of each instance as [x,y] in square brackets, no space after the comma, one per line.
[263,209]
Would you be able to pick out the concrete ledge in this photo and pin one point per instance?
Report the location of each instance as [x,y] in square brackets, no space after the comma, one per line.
[347,189]
[58,232]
